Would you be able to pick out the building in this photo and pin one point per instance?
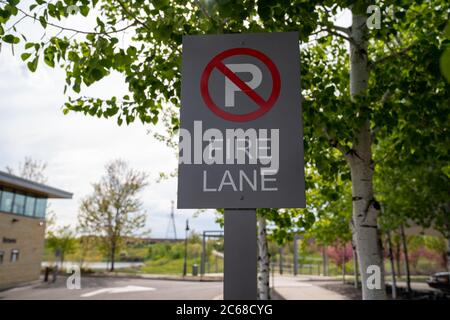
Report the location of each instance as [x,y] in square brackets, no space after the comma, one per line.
[23,205]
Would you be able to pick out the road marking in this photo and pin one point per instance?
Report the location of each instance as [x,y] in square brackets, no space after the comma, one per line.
[117,290]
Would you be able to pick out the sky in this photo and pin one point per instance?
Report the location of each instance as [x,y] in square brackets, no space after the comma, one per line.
[77,147]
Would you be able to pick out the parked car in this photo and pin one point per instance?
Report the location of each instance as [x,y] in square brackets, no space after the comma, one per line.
[440,280]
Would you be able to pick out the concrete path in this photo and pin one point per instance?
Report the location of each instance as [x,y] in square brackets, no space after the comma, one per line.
[417,286]
[304,288]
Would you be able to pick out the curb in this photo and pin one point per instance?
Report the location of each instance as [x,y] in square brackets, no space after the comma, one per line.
[155,277]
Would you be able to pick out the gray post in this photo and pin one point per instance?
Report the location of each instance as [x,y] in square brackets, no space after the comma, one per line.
[203,257]
[240,255]
[295,254]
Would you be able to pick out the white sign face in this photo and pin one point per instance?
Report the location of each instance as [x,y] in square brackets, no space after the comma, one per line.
[241,130]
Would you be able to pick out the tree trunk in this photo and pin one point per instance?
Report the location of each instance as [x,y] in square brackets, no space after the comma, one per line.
[405,253]
[325,261]
[391,259]
[448,259]
[343,265]
[263,261]
[281,260]
[365,208]
[62,259]
[113,257]
[448,255]
[397,258]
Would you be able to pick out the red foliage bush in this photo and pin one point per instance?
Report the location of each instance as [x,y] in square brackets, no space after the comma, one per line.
[338,253]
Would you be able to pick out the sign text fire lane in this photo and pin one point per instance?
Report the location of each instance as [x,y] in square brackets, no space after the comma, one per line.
[241,132]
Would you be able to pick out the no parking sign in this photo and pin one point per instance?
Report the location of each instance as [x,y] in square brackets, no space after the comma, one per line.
[241,131]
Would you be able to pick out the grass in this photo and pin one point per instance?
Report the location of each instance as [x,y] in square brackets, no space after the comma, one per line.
[168,266]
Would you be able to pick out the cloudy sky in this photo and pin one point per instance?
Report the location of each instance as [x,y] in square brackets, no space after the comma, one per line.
[76,147]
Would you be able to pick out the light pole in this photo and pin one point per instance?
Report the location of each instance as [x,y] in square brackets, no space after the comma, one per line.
[185,249]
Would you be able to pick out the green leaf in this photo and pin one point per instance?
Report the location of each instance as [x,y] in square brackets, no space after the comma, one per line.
[13,2]
[9,38]
[24,56]
[159,4]
[5,14]
[97,73]
[84,10]
[445,64]
[73,56]
[49,56]
[43,21]
[2,31]
[447,31]
[32,65]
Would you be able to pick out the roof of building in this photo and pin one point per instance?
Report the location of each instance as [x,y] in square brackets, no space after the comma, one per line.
[21,184]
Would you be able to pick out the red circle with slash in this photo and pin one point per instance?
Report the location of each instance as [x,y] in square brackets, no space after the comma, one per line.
[264,105]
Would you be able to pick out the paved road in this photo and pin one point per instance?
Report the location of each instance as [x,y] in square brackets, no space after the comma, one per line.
[106,288]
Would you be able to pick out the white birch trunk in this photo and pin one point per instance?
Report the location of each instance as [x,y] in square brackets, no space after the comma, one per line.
[365,208]
[263,261]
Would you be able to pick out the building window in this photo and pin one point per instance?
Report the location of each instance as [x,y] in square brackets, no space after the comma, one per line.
[19,203]
[41,206]
[14,255]
[6,201]
[2,253]
[29,206]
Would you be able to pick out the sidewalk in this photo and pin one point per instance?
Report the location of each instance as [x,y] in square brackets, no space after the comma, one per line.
[417,286]
[303,288]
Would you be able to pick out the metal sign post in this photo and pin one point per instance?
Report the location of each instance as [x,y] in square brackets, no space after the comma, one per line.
[241,138]
[240,255]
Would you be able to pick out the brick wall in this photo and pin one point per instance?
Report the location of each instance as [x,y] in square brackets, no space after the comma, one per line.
[28,234]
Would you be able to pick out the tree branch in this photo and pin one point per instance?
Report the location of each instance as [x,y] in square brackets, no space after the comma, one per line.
[341,29]
[399,52]
[335,143]
[202,9]
[336,33]
[27,15]
[131,15]
[392,55]
[17,22]
[138,21]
